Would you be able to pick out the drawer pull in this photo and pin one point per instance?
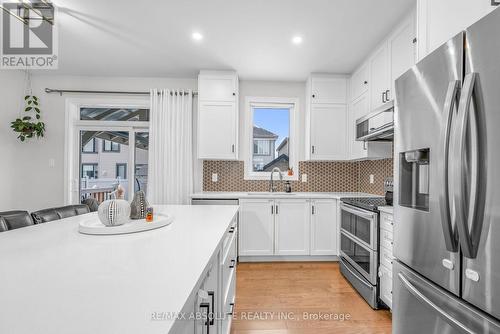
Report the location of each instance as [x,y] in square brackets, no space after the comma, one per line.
[233,264]
[231,230]
[232,309]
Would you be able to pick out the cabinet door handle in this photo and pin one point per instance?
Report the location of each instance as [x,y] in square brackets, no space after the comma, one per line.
[276,208]
[312,209]
[272,209]
[212,314]
[231,230]
[313,148]
[383,97]
[232,309]
[232,148]
[233,264]
[364,146]
[207,322]
[387,92]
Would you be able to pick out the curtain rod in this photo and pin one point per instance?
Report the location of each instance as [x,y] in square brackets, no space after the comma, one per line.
[61,91]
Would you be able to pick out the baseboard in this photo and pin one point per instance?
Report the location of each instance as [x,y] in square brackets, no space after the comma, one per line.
[288,258]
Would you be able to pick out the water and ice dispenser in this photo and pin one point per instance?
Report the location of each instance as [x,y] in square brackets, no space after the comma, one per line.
[414,179]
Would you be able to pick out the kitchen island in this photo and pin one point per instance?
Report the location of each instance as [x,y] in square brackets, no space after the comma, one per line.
[55,280]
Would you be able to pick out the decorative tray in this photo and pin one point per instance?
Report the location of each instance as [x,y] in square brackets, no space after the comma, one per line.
[94,226]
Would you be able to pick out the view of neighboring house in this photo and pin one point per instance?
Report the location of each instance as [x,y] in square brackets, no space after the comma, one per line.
[264,147]
[265,154]
[282,160]
[104,163]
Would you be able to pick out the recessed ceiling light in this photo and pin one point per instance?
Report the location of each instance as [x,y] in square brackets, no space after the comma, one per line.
[297,40]
[197,36]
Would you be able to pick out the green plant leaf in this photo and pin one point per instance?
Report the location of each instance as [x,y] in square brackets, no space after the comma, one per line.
[28,108]
[35,98]
[26,97]
[35,103]
[26,118]
[37,110]
[37,116]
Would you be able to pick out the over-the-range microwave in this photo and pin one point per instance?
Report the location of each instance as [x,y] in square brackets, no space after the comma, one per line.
[377,125]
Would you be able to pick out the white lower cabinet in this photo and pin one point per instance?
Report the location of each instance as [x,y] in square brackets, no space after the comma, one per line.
[210,306]
[386,258]
[291,227]
[288,227]
[256,227]
[324,227]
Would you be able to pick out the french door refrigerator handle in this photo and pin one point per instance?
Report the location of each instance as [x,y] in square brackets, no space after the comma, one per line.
[420,296]
[450,235]
[469,239]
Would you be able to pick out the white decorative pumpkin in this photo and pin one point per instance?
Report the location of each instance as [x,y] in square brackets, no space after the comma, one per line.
[114,212]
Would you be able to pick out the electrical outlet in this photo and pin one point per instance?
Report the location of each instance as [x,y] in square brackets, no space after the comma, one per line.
[372,179]
[304,177]
[215,177]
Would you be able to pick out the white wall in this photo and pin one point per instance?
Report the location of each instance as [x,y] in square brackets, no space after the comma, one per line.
[440,20]
[28,182]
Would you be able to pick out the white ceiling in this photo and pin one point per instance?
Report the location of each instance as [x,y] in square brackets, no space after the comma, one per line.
[253,37]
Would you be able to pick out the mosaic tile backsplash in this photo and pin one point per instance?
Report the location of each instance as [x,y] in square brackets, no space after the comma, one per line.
[322,176]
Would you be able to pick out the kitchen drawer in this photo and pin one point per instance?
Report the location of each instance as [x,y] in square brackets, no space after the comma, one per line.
[386,239]
[386,257]
[229,266]
[228,308]
[230,234]
[385,275]
[386,221]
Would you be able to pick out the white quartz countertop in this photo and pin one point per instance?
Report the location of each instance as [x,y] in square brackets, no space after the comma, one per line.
[238,195]
[55,280]
[386,209]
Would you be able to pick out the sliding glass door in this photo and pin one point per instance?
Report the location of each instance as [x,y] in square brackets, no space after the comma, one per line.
[113,146]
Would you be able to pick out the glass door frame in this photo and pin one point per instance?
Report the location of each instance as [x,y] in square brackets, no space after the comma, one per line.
[72,137]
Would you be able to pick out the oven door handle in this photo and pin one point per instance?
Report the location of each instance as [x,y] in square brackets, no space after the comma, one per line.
[359,278]
[357,212]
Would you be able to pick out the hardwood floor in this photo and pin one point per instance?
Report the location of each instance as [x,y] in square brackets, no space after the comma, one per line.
[271,298]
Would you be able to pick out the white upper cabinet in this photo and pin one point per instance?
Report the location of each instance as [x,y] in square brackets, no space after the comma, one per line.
[359,81]
[379,77]
[292,227]
[217,115]
[217,86]
[326,117]
[402,51]
[324,227]
[328,137]
[328,89]
[439,21]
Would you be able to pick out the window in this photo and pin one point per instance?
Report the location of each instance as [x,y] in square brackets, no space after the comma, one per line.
[270,128]
[101,126]
[90,146]
[121,171]
[89,171]
[110,146]
[114,114]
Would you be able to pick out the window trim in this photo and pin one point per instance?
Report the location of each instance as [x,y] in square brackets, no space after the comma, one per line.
[270,102]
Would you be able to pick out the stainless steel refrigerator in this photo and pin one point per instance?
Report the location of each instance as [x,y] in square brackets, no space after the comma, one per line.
[446,277]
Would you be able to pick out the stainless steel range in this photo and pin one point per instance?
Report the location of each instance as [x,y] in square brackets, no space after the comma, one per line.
[359,242]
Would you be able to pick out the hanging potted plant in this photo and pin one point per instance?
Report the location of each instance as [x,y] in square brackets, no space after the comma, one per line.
[30,125]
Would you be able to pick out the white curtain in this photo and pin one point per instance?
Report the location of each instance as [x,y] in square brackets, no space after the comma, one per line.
[170,171]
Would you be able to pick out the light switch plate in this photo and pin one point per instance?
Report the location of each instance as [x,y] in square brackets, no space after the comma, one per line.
[215,177]
[372,179]
[304,177]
